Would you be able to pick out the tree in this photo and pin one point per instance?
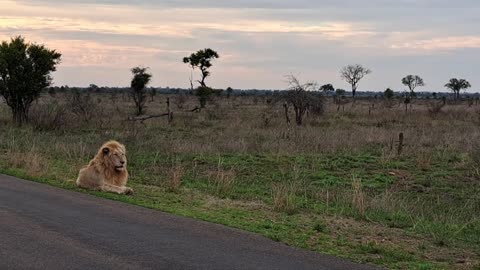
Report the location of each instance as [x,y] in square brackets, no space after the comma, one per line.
[412,81]
[153,93]
[327,88]
[229,91]
[203,93]
[202,60]
[302,97]
[456,85]
[93,88]
[138,92]
[340,92]
[352,74]
[25,70]
[388,94]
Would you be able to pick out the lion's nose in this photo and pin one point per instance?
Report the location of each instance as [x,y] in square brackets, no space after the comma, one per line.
[123,162]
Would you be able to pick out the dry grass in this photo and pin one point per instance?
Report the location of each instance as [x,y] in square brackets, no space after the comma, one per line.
[358,197]
[32,161]
[283,195]
[175,180]
[222,181]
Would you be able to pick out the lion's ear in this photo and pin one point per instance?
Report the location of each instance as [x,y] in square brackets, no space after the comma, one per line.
[106,150]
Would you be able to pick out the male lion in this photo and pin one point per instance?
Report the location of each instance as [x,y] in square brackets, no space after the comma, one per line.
[107,171]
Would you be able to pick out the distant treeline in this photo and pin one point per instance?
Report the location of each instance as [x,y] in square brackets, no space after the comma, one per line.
[244,92]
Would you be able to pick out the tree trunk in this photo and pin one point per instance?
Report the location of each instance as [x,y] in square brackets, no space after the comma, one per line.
[298,116]
[20,114]
[287,118]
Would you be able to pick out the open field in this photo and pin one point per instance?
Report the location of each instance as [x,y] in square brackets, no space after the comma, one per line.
[335,185]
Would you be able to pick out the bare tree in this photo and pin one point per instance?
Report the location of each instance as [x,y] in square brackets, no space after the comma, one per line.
[352,74]
[412,82]
[303,98]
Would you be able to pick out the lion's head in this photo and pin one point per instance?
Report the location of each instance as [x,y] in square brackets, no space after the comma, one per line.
[113,156]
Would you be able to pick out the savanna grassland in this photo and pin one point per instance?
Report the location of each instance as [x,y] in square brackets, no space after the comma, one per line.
[335,185]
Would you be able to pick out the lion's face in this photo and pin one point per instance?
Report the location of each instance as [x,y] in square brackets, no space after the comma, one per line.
[114,156]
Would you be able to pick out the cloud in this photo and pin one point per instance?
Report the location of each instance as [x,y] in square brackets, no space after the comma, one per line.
[259,40]
[440,44]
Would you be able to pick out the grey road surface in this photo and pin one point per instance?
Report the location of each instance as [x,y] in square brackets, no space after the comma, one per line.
[43,227]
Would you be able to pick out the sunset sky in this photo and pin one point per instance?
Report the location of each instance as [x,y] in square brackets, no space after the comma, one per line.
[258,41]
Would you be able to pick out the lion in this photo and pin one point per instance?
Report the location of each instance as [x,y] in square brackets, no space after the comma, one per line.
[107,171]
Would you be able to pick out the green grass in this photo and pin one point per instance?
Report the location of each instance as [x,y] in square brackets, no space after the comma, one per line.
[306,227]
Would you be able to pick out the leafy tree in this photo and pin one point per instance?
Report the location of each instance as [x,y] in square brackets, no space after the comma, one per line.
[229,92]
[93,88]
[202,59]
[352,74]
[340,92]
[456,85]
[25,70]
[388,94]
[303,98]
[138,88]
[327,88]
[412,82]
[203,93]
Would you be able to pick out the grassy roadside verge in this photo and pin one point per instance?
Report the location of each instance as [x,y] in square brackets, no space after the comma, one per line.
[377,238]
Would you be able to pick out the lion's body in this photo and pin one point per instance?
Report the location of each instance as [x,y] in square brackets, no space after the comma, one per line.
[107,171]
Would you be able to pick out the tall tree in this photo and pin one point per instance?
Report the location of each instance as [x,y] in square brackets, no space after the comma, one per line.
[456,85]
[202,59]
[25,70]
[141,78]
[352,74]
[412,82]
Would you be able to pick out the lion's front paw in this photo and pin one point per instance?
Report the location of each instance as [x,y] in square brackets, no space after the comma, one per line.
[128,191]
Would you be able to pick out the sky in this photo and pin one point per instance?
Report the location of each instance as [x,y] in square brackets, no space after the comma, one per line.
[259,41]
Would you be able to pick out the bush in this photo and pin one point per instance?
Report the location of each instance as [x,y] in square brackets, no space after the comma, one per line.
[82,106]
[48,117]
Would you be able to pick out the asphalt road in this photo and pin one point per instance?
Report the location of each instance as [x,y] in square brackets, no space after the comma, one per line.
[42,227]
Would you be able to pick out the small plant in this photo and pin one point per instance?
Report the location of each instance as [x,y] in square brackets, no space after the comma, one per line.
[175,181]
[222,180]
[180,101]
[424,161]
[283,195]
[358,197]
[320,227]
[435,108]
